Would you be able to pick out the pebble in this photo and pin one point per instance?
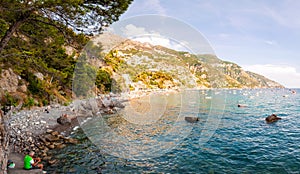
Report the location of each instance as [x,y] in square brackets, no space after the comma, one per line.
[54,133]
[51,162]
[51,146]
[49,131]
[75,128]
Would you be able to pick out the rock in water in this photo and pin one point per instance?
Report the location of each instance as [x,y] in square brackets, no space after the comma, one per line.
[272,118]
[191,119]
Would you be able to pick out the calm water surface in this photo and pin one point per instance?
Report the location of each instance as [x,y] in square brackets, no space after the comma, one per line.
[227,139]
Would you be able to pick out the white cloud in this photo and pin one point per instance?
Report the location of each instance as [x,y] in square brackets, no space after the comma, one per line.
[142,35]
[270,42]
[131,30]
[286,75]
[156,39]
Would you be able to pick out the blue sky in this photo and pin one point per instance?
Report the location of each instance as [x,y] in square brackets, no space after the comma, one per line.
[262,36]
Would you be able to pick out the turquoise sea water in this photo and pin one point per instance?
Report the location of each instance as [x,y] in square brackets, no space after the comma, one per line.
[227,139]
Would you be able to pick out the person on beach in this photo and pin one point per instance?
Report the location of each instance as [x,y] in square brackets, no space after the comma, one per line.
[32,163]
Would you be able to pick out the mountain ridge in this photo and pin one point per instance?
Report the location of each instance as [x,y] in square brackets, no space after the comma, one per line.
[154,66]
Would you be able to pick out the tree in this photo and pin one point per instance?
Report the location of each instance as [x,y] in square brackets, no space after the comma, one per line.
[84,77]
[103,81]
[86,16]
[33,34]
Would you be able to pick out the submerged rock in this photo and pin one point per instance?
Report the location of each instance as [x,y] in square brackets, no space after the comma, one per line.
[191,119]
[272,118]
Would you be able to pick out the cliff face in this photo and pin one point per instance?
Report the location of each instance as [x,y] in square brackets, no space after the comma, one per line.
[12,87]
[145,66]
[9,81]
[235,76]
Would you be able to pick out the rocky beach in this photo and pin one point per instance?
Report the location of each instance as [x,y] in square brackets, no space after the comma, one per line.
[44,128]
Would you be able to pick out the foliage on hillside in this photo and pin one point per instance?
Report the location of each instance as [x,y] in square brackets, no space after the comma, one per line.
[157,79]
[146,66]
[40,42]
[103,80]
[42,50]
[45,67]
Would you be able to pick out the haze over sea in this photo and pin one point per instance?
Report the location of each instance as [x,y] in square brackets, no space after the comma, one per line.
[227,139]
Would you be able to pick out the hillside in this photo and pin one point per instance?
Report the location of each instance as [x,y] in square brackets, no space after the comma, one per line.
[139,66]
[115,64]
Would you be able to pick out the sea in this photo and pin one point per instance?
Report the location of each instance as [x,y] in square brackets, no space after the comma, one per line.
[151,135]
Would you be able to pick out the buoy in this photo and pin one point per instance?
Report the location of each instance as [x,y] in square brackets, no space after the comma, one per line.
[241,105]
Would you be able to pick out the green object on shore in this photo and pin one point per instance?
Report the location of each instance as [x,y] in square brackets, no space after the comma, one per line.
[27,160]
[11,165]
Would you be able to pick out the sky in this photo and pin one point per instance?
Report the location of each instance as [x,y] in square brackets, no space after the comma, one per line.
[262,36]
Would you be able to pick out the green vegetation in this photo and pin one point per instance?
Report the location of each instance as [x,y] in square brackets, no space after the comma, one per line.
[103,81]
[154,79]
[8,100]
[45,37]
[40,41]
[84,77]
[29,102]
[114,60]
[85,16]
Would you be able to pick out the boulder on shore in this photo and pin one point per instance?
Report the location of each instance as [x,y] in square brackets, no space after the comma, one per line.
[272,118]
[64,119]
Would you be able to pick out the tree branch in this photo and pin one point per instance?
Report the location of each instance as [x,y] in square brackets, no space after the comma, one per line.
[10,32]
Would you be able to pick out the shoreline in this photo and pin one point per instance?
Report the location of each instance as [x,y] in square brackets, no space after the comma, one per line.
[38,129]
[28,128]
[37,120]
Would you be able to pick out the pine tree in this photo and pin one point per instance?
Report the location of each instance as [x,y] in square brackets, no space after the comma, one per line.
[86,16]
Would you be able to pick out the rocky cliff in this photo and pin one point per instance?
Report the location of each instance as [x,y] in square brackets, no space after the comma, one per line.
[138,66]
